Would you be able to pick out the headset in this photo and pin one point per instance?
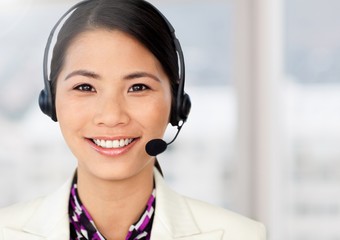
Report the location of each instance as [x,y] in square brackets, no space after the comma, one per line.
[180,111]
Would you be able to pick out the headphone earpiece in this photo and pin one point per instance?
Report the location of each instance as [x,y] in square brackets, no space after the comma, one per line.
[185,107]
[46,102]
[181,110]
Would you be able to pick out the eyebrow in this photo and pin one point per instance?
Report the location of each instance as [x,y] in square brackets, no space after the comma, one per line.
[94,75]
[84,73]
[141,75]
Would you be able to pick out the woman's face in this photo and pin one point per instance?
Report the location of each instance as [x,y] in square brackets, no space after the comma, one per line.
[112,97]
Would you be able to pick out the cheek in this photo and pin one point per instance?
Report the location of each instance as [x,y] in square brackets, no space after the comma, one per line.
[168,103]
[68,106]
[162,113]
[164,106]
[69,111]
[63,107]
[155,114]
[63,114]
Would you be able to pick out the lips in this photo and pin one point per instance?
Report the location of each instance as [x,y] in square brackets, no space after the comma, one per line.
[112,147]
[117,143]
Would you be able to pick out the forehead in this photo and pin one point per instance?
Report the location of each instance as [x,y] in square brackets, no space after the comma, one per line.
[102,42]
[109,50]
[105,40]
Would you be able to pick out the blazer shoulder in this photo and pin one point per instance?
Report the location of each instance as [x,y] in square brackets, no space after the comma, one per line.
[234,225]
[18,214]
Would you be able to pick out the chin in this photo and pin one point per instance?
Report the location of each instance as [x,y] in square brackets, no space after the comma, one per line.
[117,171]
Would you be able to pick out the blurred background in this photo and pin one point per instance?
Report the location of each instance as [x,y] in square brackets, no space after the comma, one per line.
[264,132]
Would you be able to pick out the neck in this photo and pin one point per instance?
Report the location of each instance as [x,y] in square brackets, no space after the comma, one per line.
[115,205]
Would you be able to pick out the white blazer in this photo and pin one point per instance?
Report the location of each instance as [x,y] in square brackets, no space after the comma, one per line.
[176,217]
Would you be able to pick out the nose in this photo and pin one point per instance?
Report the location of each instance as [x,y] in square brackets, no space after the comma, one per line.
[111,111]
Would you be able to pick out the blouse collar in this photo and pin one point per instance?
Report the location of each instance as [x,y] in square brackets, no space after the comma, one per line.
[82,226]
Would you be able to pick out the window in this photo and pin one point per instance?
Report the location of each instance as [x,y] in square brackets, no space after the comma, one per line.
[312,104]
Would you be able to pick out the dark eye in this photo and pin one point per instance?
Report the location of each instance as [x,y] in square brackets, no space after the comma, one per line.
[138,88]
[85,88]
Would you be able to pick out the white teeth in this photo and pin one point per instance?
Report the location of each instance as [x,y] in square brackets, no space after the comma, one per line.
[113,143]
[109,144]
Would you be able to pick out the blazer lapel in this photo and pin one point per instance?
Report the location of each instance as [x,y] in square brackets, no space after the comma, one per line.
[10,234]
[215,235]
[50,220]
[173,219]
[159,232]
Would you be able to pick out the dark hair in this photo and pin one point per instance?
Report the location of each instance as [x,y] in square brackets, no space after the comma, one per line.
[137,18]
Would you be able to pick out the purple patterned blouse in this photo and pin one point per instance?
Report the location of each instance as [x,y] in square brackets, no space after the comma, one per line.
[82,226]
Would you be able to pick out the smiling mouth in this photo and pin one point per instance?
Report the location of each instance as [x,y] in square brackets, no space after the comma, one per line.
[119,143]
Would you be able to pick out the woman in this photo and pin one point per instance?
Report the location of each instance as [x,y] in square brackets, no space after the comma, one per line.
[115,84]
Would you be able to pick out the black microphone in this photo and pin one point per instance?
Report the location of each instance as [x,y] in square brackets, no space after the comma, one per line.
[157,146]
